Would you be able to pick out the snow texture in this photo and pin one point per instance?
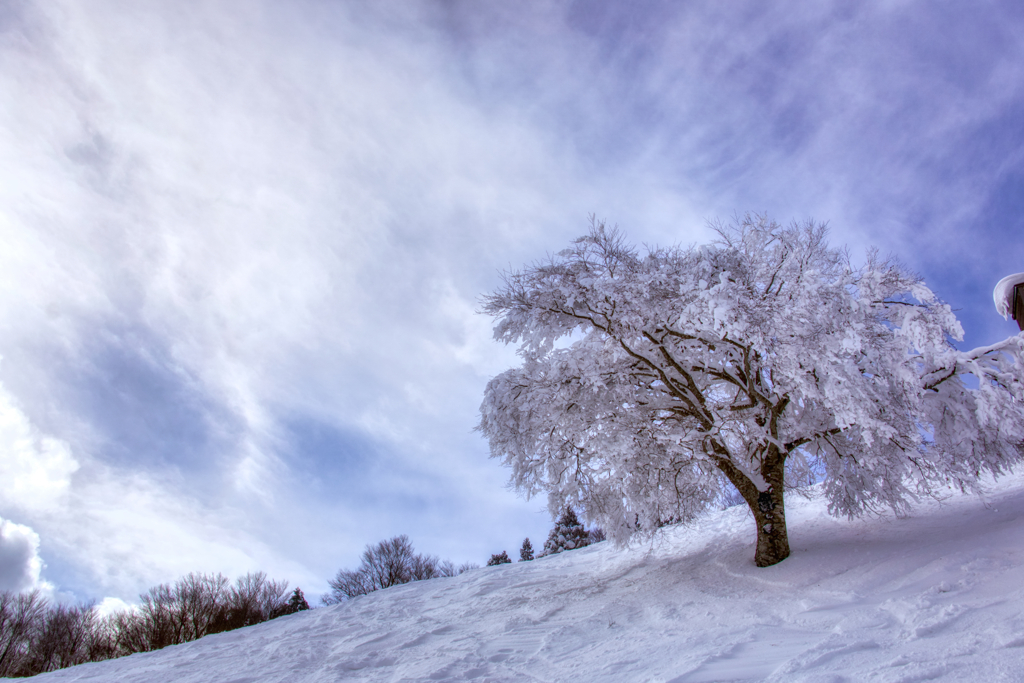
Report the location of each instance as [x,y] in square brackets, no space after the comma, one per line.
[934,596]
[1003,293]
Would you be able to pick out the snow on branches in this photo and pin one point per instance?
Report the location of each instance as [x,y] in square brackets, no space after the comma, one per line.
[764,359]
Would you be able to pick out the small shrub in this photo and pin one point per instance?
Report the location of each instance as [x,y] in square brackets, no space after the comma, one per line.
[500,558]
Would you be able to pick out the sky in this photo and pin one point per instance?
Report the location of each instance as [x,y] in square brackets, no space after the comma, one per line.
[243,244]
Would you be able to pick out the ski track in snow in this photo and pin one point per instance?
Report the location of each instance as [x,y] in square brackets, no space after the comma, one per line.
[935,596]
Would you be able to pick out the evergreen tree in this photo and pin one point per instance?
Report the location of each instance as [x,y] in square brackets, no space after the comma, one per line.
[297,602]
[568,534]
[500,558]
[526,552]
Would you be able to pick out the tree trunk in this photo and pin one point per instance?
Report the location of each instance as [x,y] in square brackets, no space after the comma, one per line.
[772,536]
[769,511]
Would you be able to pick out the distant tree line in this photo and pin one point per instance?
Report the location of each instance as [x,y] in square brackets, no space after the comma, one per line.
[37,636]
[385,564]
[394,561]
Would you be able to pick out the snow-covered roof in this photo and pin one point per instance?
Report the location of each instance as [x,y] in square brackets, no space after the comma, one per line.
[1003,293]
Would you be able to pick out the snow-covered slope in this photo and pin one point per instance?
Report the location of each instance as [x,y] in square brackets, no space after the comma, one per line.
[936,596]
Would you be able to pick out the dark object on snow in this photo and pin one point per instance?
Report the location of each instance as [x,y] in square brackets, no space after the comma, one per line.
[526,552]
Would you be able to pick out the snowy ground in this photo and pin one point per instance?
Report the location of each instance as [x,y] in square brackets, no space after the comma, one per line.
[936,596]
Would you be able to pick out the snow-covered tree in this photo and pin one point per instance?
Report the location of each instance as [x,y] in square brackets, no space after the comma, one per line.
[568,534]
[763,361]
[499,558]
[526,551]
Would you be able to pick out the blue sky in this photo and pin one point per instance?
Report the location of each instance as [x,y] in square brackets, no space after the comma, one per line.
[242,243]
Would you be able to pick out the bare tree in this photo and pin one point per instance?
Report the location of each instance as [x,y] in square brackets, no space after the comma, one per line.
[346,585]
[103,642]
[21,616]
[424,567]
[64,638]
[179,613]
[157,624]
[252,600]
[131,633]
[386,564]
[35,638]
[447,568]
[199,599]
[389,563]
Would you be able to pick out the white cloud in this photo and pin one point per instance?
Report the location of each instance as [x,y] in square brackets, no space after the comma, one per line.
[108,606]
[35,470]
[20,564]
